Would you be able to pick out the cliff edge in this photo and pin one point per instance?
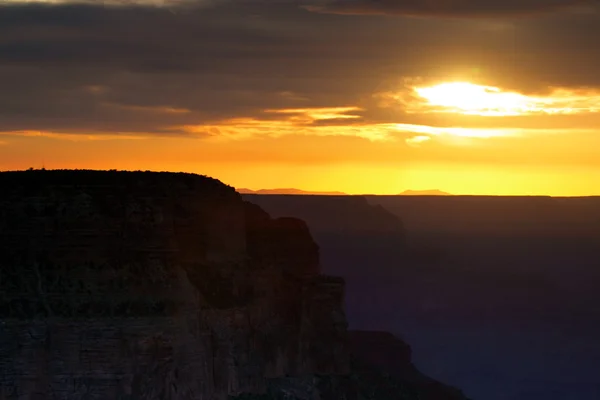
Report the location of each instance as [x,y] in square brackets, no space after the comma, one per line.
[167,286]
[142,285]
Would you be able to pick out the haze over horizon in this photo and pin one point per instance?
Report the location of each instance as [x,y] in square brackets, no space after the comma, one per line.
[407,192]
[355,96]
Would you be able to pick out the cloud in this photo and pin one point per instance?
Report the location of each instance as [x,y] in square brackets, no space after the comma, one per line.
[448,8]
[78,137]
[467,98]
[102,66]
[115,3]
[306,122]
[481,133]
[144,69]
[295,122]
[417,140]
[315,115]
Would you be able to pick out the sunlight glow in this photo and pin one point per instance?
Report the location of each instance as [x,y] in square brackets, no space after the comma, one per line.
[305,122]
[472,99]
[416,141]
[468,98]
[482,133]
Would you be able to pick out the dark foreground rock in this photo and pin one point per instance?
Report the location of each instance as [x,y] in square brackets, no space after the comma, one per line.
[381,368]
[141,285]
[381,351]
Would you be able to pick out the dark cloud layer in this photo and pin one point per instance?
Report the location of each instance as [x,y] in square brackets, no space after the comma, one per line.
[447,8]
[84,68]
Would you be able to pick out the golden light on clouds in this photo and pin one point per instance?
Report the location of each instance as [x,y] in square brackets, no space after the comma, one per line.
[481,133]
[302,121]
[342,121]
[310,115]
[458,137]
[78,137]
[468,98]
[258,102]
[251,128]
[417,140]
[489,101]
[307,122]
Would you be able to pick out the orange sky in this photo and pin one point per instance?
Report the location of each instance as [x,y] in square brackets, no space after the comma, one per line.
[466,125]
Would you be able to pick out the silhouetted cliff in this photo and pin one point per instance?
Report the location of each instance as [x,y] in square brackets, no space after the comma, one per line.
[363,243]
[156,286]
[392,356]
[351,233]
[326,213]
[497,295]
[141,285]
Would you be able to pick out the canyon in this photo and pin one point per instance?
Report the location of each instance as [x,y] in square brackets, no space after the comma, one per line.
[497,295]
[144,285]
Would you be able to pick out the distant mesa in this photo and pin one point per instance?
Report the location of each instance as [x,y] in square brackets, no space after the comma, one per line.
[292,191]
[289,191]
[432,192]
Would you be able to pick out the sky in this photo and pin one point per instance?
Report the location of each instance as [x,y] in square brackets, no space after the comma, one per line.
[497,97]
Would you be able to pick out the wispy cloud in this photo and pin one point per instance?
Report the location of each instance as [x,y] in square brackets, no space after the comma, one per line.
[448,8]
[76,137]
[489,101]
[310,115]
[305,122]
[417,140]
[148,109]
[250,128]
[295,122]
[481,133]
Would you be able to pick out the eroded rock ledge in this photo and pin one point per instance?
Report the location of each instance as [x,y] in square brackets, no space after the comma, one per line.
[142,285]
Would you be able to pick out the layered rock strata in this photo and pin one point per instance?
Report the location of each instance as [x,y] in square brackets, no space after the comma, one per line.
[141,285]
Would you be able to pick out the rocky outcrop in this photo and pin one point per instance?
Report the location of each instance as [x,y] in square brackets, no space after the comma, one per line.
[285,242]
[326,214]
[351,233]
[123,285]
[381,368]
[377,350]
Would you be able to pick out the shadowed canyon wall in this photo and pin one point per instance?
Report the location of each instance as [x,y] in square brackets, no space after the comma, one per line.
[122,285]
[497,295]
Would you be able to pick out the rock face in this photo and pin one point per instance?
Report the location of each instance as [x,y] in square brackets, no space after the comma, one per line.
[351,233]
[123,285]
[363,243]
[352,214]
[384,351]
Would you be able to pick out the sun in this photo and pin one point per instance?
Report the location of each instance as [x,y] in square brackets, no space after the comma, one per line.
[471,99]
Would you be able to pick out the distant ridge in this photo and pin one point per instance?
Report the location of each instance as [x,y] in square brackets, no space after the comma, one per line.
[432,192]
[289,191]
